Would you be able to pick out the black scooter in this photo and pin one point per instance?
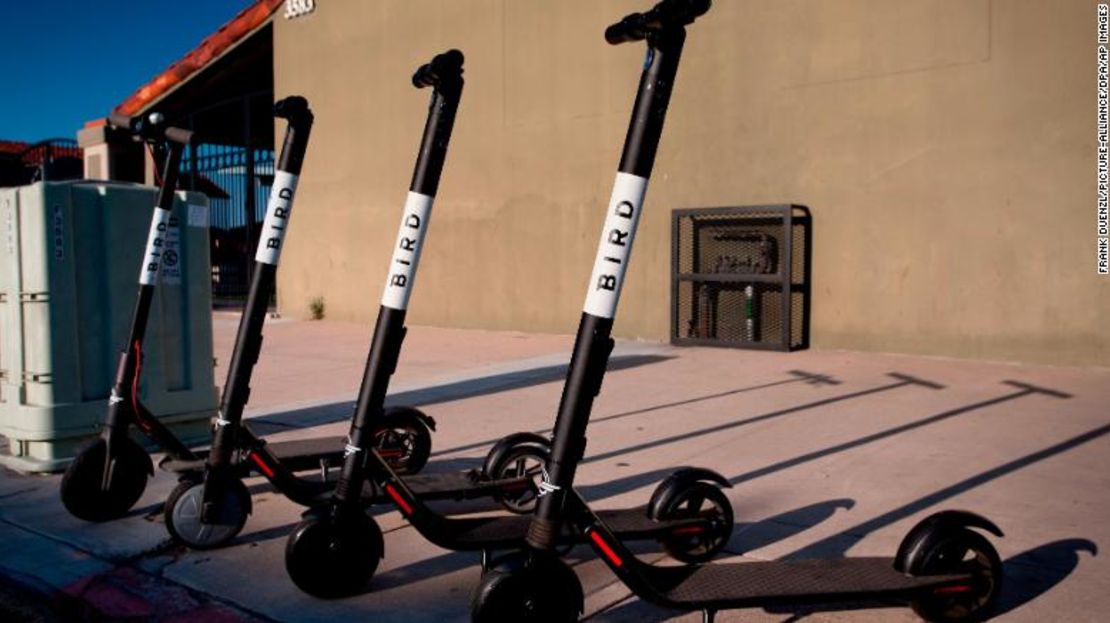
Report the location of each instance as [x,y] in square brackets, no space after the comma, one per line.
[210,505]
[946,570]
[335,550]
[109,475]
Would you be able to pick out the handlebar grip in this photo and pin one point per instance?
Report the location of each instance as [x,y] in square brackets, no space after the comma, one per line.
[446,67]
[178,135]
[293,108]
[122,122]
[631,28]
[666,14]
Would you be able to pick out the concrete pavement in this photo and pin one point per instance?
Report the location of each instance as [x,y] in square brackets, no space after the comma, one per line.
[830,453]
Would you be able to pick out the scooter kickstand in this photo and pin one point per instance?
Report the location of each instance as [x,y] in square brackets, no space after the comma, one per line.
[707,615]
[485,560]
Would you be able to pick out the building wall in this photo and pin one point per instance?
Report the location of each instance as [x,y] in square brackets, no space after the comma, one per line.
[945,149]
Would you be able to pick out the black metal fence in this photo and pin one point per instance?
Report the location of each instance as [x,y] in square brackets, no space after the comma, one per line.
[237,182]
[741,277]
[54,159]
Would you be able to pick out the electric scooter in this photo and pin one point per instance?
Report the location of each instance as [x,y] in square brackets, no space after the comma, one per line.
[335,550]
[210,504]
[946,570]
[109,475]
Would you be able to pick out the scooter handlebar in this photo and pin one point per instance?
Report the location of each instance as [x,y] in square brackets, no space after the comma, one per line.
[444,68]
[666,14]
[150,128]
[293,109]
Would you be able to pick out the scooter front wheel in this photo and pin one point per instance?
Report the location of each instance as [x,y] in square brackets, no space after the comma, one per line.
[527,588]
[184,508]
[330,557]
[83,489]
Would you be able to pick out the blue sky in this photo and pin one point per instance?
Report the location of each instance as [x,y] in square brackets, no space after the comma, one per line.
[64,62]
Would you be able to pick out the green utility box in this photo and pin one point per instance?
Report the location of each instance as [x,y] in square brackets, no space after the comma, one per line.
[69,269]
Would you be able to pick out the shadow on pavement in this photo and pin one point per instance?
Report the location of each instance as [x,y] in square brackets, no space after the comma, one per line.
[1025,390]
[797,376]
[1034,572]
[902,380]
[636,481]
[469,388]
[838,544]
[753,536]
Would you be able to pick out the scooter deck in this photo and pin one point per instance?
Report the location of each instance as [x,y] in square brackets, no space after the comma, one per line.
[304,454]
[501,531]
[296,455]
[775,582]
[465,485]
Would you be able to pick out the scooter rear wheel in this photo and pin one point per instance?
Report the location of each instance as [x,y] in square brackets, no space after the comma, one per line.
[959,551]
[81,489]
[183,514]
[690,545]
[527,461]
[404,441]
[331,558]
[537,588]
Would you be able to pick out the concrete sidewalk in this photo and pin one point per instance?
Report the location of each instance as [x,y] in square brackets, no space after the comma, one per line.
[843,464]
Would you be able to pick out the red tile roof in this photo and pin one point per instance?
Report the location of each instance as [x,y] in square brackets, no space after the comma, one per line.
[13,147]
[209,50]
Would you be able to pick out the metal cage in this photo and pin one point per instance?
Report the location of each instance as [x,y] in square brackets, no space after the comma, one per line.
[740,277]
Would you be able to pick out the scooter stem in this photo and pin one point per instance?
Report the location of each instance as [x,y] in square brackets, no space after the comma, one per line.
[444,74]
[593,344]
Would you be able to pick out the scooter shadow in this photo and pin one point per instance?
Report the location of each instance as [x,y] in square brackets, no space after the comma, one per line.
[308,417]
[1034,572]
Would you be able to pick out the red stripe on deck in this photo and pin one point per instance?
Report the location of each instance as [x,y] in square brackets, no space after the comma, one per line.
[406,508]
[689,530]
[261,465]
[605,549]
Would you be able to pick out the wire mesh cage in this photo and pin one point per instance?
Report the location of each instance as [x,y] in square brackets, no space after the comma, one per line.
[741,277]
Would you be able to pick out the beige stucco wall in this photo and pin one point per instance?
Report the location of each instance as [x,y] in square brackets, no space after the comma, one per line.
[945,148]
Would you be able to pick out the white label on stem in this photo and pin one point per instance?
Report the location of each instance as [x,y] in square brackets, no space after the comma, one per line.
[406,253]
[155,246]
[278,212]
[615,247]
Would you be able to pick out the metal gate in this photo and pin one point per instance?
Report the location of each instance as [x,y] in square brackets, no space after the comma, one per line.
[237,180]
